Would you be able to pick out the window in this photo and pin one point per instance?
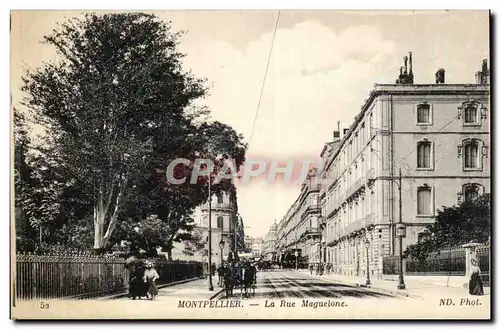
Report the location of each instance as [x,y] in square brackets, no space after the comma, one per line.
[470,114]
[424,155]
[471,192]
[471,150]
[421,237]
[424,200]
[220,222]
[423,113]
[220,199]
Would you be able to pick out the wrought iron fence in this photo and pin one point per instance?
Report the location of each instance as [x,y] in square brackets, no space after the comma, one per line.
[84,276]
[71,276]
[483,261]
[443,262]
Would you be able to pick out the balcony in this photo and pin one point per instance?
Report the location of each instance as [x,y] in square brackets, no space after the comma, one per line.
[355,187]
[360,224]
[311,232]
[370,175]
[218,206]
[311,208]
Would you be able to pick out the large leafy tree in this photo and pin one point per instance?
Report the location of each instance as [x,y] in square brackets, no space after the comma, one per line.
[117,106]
[460,224]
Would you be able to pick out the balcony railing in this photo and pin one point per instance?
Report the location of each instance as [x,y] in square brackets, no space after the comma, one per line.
[370,175]
[357,225]
[215,205]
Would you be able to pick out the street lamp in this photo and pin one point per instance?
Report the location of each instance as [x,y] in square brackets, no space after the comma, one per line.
[367,245]
[210,285]
[221,246]
[401,233]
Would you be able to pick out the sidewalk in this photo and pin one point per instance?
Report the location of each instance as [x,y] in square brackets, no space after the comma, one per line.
[421,290]
[191,288]
[197,289]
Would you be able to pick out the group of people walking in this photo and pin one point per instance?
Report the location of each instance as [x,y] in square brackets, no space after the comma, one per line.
[237,274]
[320,269]
[142,280]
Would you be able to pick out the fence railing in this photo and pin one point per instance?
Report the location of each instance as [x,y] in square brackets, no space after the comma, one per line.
[483,261]
[443,262]
[84,277]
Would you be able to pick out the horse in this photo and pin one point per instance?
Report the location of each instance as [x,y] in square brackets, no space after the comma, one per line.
[230,279]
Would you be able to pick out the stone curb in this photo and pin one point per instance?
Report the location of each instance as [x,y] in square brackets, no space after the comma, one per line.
[159,287]
[217,294]
[389,291]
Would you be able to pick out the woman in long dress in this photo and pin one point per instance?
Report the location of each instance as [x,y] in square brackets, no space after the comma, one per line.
[150,276]
[475,282]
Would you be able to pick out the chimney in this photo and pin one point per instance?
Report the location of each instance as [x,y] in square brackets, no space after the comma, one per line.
[440,76]
[406,65]
[483,76]
[411,63]
[336,133]
[345,131]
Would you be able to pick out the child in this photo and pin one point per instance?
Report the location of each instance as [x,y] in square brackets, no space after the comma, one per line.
[150,276]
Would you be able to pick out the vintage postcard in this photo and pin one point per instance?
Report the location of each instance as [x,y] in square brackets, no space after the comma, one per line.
[250,165]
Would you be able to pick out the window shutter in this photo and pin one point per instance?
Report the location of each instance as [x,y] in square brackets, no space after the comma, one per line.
[459,150]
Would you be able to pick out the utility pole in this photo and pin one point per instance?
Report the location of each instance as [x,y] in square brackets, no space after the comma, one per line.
[401,284]
[320,226]
[210,285]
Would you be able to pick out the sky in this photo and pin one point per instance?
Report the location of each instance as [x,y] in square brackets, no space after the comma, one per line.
[322,68]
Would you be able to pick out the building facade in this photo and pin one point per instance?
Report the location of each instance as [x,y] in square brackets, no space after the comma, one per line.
[436,135]
[224,225]
[269,250]
[299,231]
[254,245]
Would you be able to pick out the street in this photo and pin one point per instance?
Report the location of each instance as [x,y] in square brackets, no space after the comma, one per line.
[291,284]
[305,295]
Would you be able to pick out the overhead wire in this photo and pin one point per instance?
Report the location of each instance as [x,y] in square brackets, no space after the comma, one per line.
[265,77]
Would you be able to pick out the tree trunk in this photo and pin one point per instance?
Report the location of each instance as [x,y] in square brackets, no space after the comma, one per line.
[101,207]
[169,254]
[99,217]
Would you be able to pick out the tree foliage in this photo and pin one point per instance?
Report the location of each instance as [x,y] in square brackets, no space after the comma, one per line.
[117,107]
[454,226]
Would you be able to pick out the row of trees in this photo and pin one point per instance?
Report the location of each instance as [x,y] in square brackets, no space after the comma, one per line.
[115,108]
[454,226]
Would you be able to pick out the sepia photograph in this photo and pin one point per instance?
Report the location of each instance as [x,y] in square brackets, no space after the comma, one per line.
[250,165]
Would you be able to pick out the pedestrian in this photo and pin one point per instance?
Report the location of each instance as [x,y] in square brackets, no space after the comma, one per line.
[475,282]
[150,276]
[137,287]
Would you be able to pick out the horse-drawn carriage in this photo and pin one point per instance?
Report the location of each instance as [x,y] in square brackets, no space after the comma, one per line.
[239,275]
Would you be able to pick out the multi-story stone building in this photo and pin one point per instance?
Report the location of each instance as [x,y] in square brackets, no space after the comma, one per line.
[437,135]
[269,243]
[298,231]
[225,225]
[254,245]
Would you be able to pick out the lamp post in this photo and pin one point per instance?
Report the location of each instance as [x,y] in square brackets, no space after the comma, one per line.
[401,233]
[367,245]
[210,285]
[221,246]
